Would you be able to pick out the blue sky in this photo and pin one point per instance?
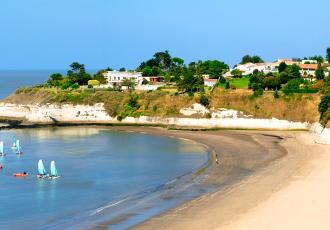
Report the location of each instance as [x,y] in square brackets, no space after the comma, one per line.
[48,34]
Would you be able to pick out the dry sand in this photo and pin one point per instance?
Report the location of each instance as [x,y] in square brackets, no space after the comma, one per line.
[292,192]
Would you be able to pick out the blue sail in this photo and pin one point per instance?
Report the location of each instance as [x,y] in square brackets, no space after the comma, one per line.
[53,170]
[41,168]
[1,147]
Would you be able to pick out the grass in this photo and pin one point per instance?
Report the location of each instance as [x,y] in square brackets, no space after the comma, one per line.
[239,83]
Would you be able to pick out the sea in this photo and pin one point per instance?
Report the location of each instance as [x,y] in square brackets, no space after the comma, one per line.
[11,80]
[108,178]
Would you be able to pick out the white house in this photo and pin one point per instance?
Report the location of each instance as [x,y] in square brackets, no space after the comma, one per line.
[209,82]
[249,68]
[308,70]
[115,78]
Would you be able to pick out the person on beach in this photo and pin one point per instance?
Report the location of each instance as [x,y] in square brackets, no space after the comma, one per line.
[216,158]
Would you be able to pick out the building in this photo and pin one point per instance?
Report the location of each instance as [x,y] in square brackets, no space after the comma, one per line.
[209,82]
[308,70]
[115,78]
[249,68]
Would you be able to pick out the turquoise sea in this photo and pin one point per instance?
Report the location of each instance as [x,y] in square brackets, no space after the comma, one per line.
[106,176]
[120,178]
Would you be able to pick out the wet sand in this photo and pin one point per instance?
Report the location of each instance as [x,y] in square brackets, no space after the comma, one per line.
[242,154]
[258,172]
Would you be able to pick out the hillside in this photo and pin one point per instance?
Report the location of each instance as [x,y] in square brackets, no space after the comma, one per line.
[295,107]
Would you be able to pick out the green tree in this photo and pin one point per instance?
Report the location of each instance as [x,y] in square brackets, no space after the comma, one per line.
[99,76]
[213,68]
[252,59]
[204,100]
[324,110]
[190,83]
[54,79]
[163,60]
[328,54]
[145,82]
[128,83]
[78,74]
[317,58]
[319,73]
[122,69]
[282,67]
[147,71]
[236,73]
[177,62]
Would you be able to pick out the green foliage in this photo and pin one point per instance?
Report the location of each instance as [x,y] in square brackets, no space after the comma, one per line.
[78,74]
[227,85]
[128,83]
[319,73]
[258,92]
[290,72]
[328,54]
[93,83]
[54,79]
[130,107]
[317,58]
[204,100]
[145,82]
[269,81]
[251,59]
[213,68]
[276,94]
[282,67]
[190,83]
[122,69]
[99,76]
[236,73]
[324,110]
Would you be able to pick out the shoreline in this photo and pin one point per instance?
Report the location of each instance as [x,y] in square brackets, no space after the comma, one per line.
[231,169]
[224,208]
[233,147]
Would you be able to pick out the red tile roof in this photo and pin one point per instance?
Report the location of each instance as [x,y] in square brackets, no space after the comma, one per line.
[309,66]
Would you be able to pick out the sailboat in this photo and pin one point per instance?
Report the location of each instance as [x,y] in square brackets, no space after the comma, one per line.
[53,171]
[41,170]
[18,148]
[14,143]
[2,153]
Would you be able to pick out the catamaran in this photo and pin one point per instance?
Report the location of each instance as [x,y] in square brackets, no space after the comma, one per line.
[2,153]
[18,148]
[53,171]
[41,170]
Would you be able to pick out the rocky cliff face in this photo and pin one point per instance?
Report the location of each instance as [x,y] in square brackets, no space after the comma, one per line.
[45,114]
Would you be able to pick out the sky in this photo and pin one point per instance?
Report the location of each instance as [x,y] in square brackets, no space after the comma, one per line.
[48,34]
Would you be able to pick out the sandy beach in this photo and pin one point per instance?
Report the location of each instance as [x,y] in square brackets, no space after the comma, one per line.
[266,179]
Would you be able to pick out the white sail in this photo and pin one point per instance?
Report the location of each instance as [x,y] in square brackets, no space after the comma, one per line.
[41,168]
[18,146]
[1,147]
[53,170]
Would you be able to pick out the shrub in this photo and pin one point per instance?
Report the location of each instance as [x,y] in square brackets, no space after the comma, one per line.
[204,100]
[276,94]
[258,92]
[323,108]
[93,83]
